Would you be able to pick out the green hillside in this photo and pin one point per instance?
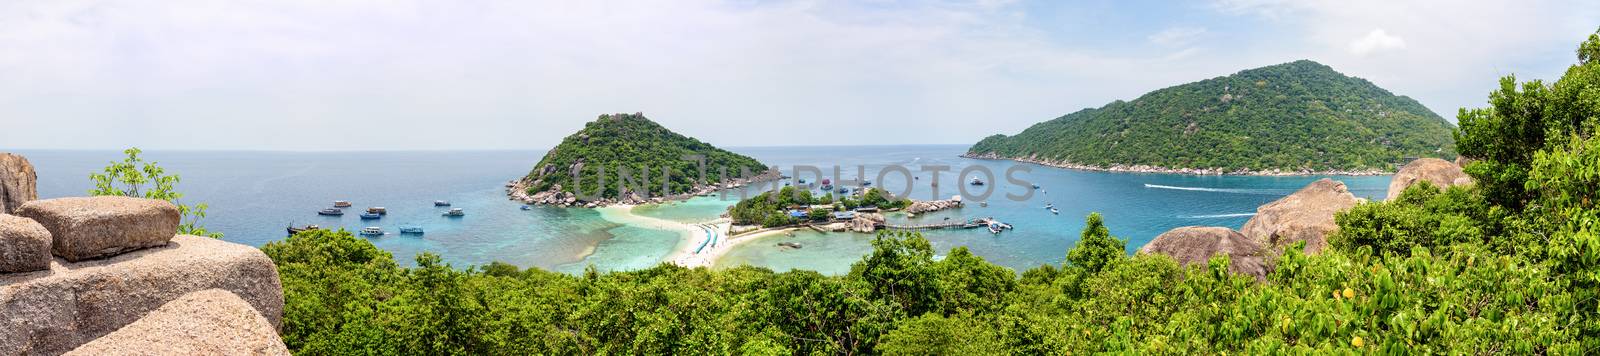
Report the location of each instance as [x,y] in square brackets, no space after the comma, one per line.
[1294,116]
[630,140]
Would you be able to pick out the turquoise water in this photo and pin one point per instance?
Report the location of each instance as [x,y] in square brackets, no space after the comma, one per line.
[254,195]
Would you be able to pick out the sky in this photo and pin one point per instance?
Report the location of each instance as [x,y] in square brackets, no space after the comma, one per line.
[310,75]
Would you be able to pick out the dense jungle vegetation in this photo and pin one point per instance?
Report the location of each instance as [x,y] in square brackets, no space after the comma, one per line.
[1294,116]
[1509,265]
[614,142]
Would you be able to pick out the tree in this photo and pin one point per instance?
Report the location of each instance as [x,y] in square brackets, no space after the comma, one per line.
[1096,248]
[133,177]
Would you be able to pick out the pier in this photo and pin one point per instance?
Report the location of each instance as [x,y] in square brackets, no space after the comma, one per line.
[969,224]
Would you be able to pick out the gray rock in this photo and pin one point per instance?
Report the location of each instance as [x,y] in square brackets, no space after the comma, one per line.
[95,227]
[1191,245]
[208,322]
[54,311]
[1307,215]
[1440,172]
[18,182]
[24,245]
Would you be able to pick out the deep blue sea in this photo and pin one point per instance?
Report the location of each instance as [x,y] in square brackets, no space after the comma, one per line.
[254,195]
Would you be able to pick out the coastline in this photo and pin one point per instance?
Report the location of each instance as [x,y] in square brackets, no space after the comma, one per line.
[518,190]
[690,235]
[1166,170]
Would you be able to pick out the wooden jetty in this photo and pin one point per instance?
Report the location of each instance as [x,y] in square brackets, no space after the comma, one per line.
[969,224]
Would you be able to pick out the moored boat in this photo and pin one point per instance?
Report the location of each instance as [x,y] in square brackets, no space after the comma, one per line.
[330,212]
[1054,211]
[295,230]
[976,181]
[341,204]
[527,207]
[378,210]
[370,216]
[455,212]
[372,231]
[441,203]
[411,230]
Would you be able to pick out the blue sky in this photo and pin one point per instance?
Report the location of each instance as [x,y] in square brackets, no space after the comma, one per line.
[500,74]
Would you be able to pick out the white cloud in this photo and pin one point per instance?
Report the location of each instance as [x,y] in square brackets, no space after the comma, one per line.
[1377,40]
[1177,36]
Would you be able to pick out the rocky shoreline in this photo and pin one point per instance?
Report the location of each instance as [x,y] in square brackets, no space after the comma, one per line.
[1139,168]
[518,190]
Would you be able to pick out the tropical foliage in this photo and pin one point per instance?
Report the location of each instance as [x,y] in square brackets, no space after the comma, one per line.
[133,177]
[652,156]
[1294,116]
[1499,267]
[768,209]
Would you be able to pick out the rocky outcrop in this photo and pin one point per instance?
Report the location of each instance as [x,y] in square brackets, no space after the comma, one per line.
[56,310]
[18,182]
[208,322]
[919,207]
[1307,215]
[1191,245]
[1440,172]
[24,245]
[866,222]
[95,227]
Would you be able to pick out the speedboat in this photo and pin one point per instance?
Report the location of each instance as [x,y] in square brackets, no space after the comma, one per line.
[984,203]
[372,231]
[341,204]
[1048,206]
[378,210]
[527,207]
[411,230]
[295,230]
[1054,211]
[1035,186]
[370,216]
[976,181]
[330,212]
[866,183]
[844,190]
[441,203]
[455,212]
[994,228]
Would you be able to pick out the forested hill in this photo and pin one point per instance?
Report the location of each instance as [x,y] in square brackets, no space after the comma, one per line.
[615,141]
[1298,116]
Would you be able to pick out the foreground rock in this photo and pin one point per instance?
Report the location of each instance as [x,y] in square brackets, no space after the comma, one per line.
[866,222]
[24,245]
[1440,172]
[1307,215]
[54,311]
[208,322]
[95,227]
[1191,245]
[18,182]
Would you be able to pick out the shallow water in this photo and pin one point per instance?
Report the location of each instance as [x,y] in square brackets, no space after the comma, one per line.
[254,195]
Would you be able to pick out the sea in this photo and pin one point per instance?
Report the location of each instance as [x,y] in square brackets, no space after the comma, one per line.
[254,195]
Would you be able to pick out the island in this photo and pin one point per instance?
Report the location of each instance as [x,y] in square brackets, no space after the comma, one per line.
[1295,118]
[628,159]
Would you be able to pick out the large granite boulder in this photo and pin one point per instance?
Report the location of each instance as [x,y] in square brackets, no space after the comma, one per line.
[54,311]
[208,322]
[18,182]
[1306,215]
[1191,245]
[24,245]
[1440,172]
[95,227]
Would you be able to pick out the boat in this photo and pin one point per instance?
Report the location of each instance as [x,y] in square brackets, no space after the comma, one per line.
[789,244]
[801,181]
[455,212]
[1048,206]
[341,204]
[984,203]
[866,183]
[844,190]
[372,231]
[994,228]
[411,230]
[295,230]
[1054,211]
[330,212]
[370,216]
[378,210]
[441,203]
[1035,186]
[976,181]
[526,207]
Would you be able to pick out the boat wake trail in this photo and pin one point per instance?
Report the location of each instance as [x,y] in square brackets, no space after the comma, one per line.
[1215,216]
[1220,190]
